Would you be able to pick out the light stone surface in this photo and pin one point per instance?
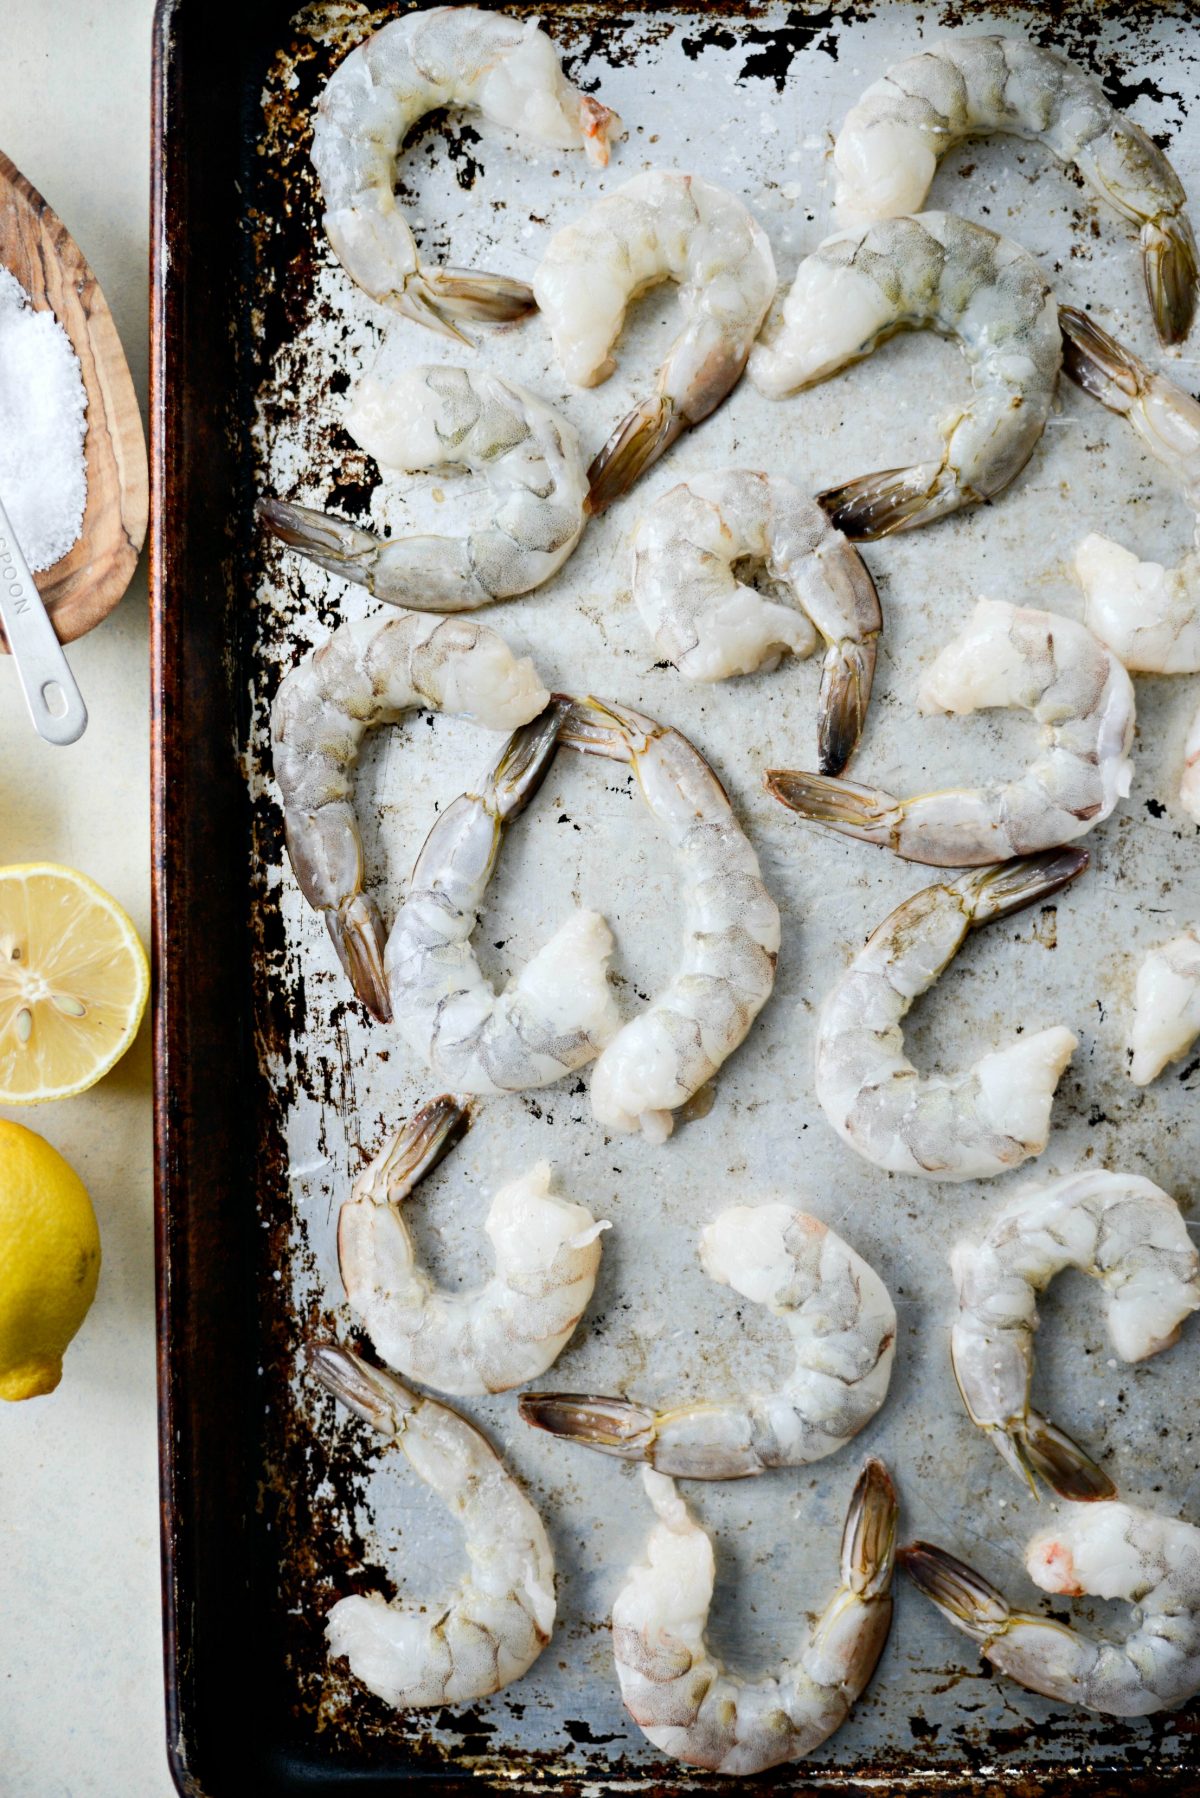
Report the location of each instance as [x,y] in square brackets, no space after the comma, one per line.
[81,1707]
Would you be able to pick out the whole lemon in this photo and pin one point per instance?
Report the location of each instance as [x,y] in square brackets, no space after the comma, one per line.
[49,1261]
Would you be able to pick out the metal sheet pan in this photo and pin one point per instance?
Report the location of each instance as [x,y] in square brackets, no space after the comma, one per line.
[273,1088]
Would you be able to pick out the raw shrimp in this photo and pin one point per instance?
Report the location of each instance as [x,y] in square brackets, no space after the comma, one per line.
[679,1694]
[1107,1550]
[843,1328]
[661,1058]
[657,227]
[1122,1230]
[368,673]
[1189,786]
[511,1329]
[435,416]
[1148,614]
[941,273]
[973,1125]
[553,1016]
[1007,656]
[890,144]
[693,556]
[494,1626]
[1166,1007]
[448,56]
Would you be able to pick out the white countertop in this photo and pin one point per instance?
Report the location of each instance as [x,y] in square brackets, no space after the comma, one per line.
[81,1703]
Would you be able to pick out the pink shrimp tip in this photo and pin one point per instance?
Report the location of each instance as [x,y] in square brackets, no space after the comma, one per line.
[1052,1567]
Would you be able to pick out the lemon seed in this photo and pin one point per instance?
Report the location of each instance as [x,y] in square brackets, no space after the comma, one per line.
[24,1024]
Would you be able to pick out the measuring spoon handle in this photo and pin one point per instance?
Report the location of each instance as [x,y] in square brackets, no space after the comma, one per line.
[54,701]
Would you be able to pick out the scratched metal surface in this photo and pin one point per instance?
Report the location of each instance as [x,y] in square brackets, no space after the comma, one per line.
[747,97]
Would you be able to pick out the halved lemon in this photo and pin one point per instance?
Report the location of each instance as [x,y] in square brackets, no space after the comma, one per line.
[73,983]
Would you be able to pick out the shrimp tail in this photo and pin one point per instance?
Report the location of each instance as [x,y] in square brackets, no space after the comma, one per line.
[599,728]
[846,679]
[332,543]
[450,293]
[612,1425]
[869,1536]
[525,759]
[969,1601]
[1099,364]
[370,1392]
[1169,264]
[1037,1449]
[997,892]
[895,499]
[863,812]
[359,937]
[414,1151]
[638,441]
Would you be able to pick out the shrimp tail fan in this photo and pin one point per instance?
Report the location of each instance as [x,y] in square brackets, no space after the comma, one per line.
[1063,1465]
[969,1601]
[358,936]
[895,499]
[863,812]
[612,1425]
[1099,364]
[1169,263]
[638,441]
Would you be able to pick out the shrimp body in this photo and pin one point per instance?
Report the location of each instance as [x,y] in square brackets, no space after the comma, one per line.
[1107,1550]
[1166,1010]
[1007,656]
[1148,614]
[494,1626]
[436,416]
[976,1124]
[368,673]
[445,56]
[934,272]
[891,141]
[662,1057]
[1122,1230]
[547,1253]
[677,1691]
[843,1328]
[687,554]
[657,227]
[556,1014]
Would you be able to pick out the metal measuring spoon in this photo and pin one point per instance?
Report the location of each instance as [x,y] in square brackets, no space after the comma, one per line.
[54,701]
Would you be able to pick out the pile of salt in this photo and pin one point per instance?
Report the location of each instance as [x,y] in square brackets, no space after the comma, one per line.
[43,402]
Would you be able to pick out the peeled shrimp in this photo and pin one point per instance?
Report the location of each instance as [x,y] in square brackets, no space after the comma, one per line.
[1149,615]
[1007,656]
[507,1331]
[1122,1230]
[552,1017]
[843,1328]
[1166,1009]
[689,552]
[662,1057]
[976,1124]
[941,273]
[677,1691]
[441,416]
[494,1626]
[368,673]
[657,227]
[1107,1550]
[891,142]
[448,56]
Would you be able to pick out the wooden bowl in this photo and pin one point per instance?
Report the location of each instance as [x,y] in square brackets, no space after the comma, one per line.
[35,246]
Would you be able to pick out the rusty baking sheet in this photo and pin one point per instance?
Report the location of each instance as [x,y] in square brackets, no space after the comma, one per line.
[273,1087]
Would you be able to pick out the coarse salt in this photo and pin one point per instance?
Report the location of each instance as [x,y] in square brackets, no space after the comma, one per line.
[43,407]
